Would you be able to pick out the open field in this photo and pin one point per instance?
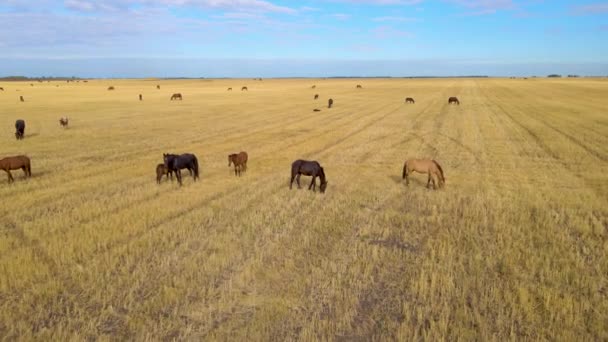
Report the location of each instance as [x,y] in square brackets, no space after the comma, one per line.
[514,247]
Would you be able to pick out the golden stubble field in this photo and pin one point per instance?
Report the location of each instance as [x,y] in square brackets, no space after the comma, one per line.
[514,247]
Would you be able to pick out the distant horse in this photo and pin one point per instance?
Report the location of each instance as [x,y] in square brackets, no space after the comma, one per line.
[111,88]
[313,87]
[316,96]
[21,98]
[162,170]
[175,163]
[176,96]
[158,86]
[244,88]
[453,99]
[141,97]
[63,122]
[19,129]
[1,88]
[239,160]
[316,110]
[15,163]
[359,86]
[409,100]
[428,166]
[308,168]
[230,89]
[330,103]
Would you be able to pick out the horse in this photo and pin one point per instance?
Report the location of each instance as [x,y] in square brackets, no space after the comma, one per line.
[158,86]
[316,96]
[308,168]
[175,163]
[176,96]
[229,89]
[14,163]
[1,88]
[21,98]
[330,103]
[359,86]
[428,166]
[244,88]
[111,88]
[239,160]
[162,170]
[19,129]
[141,97]
[313,87]
[453,99]
[63,122]
[409,100]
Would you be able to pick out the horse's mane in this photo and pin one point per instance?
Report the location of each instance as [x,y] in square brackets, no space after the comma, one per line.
[440,170]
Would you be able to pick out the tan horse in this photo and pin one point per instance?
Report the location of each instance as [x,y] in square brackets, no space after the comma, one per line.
[428,166]
[15,163]
[239,161]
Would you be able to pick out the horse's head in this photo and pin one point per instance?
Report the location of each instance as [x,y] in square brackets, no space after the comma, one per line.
[323,187]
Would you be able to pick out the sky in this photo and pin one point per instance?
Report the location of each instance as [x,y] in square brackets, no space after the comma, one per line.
[307,38]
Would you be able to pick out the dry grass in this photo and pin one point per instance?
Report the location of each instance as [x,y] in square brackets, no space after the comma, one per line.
[515,247]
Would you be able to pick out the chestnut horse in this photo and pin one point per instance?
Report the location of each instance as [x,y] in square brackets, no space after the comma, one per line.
[453,99]
[14,163]
[239,160]
[162,170]
[428,166]
[176,96]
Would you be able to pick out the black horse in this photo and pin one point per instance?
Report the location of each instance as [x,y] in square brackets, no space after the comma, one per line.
[308,168]
[175,163]
[19,129]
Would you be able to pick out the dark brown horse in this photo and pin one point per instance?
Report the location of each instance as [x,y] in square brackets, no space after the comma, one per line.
[308,168]
[244,88]
[141,97]
[15,163]
[316,96]
[359,86]
[162,170]
[158,86]
[239,160]
[453,99]
[428,166]
[19,129]
[21,99]
[1,88]
[330,103]
[63,122]
[313,87]
[230,89]
[176,96]
[111,88]
[409,100]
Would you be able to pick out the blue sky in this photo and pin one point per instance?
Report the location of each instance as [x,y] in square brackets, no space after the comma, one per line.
[266,38]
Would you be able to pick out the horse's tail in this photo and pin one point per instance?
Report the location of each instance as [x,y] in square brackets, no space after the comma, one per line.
[404,170]
[440,171]
[195,167]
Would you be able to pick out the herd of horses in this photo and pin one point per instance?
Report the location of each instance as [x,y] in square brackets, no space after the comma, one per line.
[174,163]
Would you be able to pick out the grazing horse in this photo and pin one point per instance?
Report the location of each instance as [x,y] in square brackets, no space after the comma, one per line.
[409,100]
[111,88]
[141,97]
[453,99]
[63,122]
[21,98]
[313,87]
[359,86]
[158,86]
[175,163]
[162,170]
[428,166]
[244,88]
[19,129]
[330,103]
[239,160]
[1,88]
[316,96]
[176,96]
[15,163]
[230,89]
[308,168]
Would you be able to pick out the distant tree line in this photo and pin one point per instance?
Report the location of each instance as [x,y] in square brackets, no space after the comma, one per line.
[43,78]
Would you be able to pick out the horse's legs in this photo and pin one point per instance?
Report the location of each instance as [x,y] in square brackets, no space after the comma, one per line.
[428,183]
[313,183]
[235,169]
[298,180]
[178,175]
[10,177]
[293,175]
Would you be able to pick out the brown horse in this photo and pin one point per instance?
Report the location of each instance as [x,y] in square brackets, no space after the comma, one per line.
[428,166]
[14,163]
[330,103]
[158,86]
[21,99]
[409,100]
[244,88]
[240,162]
[1,88]
[162,170]
[63,122]
[359,86]
[141,97]
[453,99]
[111,88]
[316,110]
[313,87]
[230,89]
[176,96]
[316,96]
